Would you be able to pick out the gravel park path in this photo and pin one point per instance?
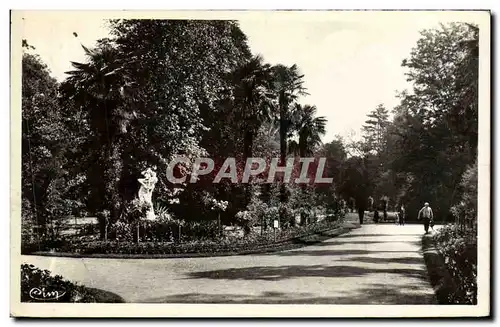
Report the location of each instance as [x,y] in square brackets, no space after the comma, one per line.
[375,264]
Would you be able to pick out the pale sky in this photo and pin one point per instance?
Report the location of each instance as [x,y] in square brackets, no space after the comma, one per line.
[351,60]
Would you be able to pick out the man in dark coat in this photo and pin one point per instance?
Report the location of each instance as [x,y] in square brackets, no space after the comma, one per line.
[361,206]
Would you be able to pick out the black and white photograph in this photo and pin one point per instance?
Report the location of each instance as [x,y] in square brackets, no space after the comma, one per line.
[316,160]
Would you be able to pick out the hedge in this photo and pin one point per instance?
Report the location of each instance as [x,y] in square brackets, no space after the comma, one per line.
[250,243]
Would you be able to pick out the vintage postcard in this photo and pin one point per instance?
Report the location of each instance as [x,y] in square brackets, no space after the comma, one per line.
[250,164]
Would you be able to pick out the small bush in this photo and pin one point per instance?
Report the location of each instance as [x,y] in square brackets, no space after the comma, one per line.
[121,230]
[287,216]
[459,249]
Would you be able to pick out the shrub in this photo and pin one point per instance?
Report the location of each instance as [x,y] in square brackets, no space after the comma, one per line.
[270,215]
[200,230]
[288,216]
[39,286]
[44,242]
[160,231]
[135,211]
[465,212]
[459,249]
[256,211]
[121,230]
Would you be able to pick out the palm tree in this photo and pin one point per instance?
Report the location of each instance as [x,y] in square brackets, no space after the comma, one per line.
[288,85]
[101,89]
[253,100]
[309,128]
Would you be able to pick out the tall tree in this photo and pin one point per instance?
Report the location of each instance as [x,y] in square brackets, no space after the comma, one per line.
[374,130]
[44,141]
[253,101]
[288,86]
[310,129]
[436,123]
[100,87]
[145,91]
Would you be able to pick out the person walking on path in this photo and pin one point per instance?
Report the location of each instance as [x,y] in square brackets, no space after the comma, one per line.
[426,215]
[361,206]
[401,215]
[385,203]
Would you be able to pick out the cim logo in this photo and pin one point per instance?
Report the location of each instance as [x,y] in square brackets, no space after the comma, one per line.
[43,294]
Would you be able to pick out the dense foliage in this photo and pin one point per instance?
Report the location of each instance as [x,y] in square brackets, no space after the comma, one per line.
[459,249]
[403,157]
[154,90]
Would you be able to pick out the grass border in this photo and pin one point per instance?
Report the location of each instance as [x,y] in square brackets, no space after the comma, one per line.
[290,244]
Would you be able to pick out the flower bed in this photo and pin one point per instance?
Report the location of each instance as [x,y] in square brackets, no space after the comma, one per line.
[40,286]
[250,243]
[459,250]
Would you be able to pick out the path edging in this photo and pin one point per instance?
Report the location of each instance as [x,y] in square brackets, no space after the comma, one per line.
[439,276]
[291,244]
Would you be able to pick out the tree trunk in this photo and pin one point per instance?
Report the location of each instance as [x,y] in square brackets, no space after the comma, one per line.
[138,239]
[105,176]
[247,153]
[283,150]
[219,225]
[303,187]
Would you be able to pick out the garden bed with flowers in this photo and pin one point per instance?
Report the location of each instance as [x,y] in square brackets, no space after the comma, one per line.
[252,243]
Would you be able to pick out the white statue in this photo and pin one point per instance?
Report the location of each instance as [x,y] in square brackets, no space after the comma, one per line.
[146,191]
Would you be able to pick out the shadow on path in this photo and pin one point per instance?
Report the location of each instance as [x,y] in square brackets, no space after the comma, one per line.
[332,252]
[340,242]
[351,235]
[374,294]
[272,273]
[406,260]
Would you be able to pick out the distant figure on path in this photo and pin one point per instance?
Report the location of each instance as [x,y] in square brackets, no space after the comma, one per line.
[401,215]
[361,206]
[370,203]
[361,213]
[385,204]
[352,204]
[376,216]
[426,215]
